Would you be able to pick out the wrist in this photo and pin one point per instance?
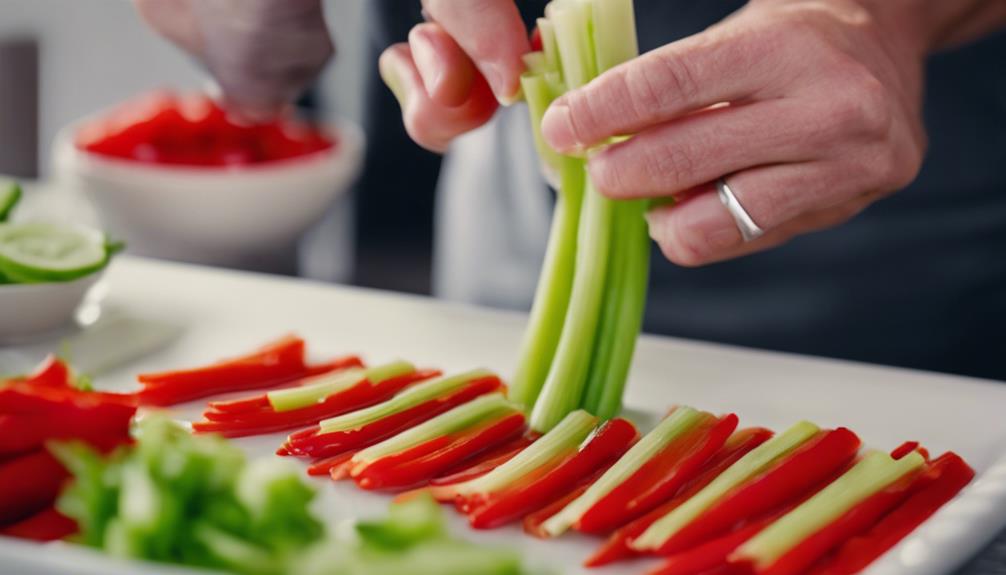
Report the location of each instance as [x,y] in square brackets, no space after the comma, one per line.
[908,22]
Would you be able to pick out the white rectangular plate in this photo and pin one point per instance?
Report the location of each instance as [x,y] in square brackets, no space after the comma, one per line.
[216,313]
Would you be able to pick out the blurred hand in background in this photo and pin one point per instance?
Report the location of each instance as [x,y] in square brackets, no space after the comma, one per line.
[262,53]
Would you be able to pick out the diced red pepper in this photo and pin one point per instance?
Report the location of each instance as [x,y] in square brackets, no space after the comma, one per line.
[610,442]
[312,443]
[268,420]
[659,478]
[942,480]
[486,462]
[273,364]
[418,465]
[616,547]
[29,484]
[854,521]
[787,480]
[46,525]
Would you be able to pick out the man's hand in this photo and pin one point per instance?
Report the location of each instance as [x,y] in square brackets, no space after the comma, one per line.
[455,68]
[262,53]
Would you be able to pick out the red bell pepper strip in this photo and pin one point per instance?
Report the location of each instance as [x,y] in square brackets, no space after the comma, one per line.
[943,479]
[908,447]
[604,447]
[533,522]
[275,364]
[21,433]
[660,478]
[22,398]
[52,372]
[418,465]
[616,547]
[713,553]
[324,466]
[486,462]
[46,525]
[268,420]
[791,478]
[312,443]
[261,401]
[29,484]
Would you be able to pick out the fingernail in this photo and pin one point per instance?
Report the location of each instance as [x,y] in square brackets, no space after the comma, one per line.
[394,81]
[429,66]
[499,81]
[557,128]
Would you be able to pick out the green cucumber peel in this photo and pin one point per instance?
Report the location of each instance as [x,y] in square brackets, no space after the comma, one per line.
[10,195]
[874,472]
[676,425]
[406,399]
[574,429]
[756,461]
[41,252]
[479,410]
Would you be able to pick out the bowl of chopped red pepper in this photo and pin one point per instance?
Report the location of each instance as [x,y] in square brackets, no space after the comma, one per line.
[178,178]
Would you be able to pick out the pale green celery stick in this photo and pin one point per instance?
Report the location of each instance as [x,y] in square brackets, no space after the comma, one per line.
[614,33]
[541,336]
[873,473]
[571,432]
[405,399]
[325,385]
[539,96]
[571,20]
[476,411]
[536,65]
[556,85]
[548,45]
[316,390]
[622,312]
[681,421]
[745,468]
[564,385]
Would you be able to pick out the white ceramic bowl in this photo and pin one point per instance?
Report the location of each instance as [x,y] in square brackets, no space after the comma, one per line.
[33,310]
[216,216]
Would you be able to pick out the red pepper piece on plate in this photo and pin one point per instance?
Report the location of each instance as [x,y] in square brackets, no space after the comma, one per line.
[46,525]
[942,480]
[416,466]
[21,433]
[789,479]
[268,420]
[29,484]
[659,478]
[313,442]
[712,554]
[604,447]
[324,466]
[52,372]
[616,547]
[276,363]
[486,462]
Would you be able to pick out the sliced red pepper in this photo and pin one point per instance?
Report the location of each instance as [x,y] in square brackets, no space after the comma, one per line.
[29,484]
[791,478]
[532,522]
[46,525]
[713,553]
[486,462]
[942,480]
[52,372]
[854,521]
[312,443]
[418,465]
[616,547]
[21,433]
[604,447]
[23,398]
[324,466]
[268,366]
[268,420]
[260,401]
[908,447]
[659,478]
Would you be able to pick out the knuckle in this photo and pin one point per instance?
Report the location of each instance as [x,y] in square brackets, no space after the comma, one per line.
[662,80]
[861,106]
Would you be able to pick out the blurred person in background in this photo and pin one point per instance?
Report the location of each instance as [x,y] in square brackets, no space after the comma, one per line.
[835,104]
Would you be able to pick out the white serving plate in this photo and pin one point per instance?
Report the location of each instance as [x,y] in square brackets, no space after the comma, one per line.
[221,313]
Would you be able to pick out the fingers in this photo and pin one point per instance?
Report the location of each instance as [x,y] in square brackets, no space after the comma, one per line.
[447,72]
[784,201]
[174,20]
[679,155]
[430,123]
[492,33]
[661,85]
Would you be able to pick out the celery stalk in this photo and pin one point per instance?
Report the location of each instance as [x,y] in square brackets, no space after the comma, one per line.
[318,388]
[572,431]
[536,64]
[746,467]
[683,420]
[563,389]
[615,39]
[873,473]
[462,417]
[571,20]
[408,398]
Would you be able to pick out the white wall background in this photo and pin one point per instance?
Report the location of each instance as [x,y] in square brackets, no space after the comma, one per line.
[95,53]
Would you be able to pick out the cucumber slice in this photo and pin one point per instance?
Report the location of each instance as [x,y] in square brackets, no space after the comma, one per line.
[10,195]
[38,252]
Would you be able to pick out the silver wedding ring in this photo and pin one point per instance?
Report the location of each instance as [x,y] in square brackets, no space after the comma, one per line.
[749,229]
